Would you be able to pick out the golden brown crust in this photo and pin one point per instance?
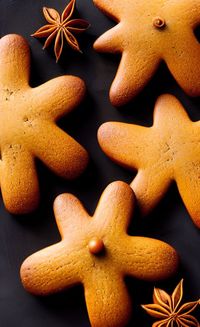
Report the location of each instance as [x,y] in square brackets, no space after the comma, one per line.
[101,272]
[167,151]
[28,130]
[144,43]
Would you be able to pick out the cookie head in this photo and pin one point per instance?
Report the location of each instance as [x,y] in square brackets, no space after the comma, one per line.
[98,253]
[28,127]
[147,34]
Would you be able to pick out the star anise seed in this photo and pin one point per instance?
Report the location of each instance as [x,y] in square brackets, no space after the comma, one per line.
[61,27]
[167,308]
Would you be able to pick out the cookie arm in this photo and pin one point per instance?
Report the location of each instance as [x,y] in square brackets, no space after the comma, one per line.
[50,270]
[188,183]
[124,143]
[184,67]
[168,112]
[59,151]
[191,10]
[57,97]
[150,186]
[107,299]
[18,178]
[112,8]
[148,259]
[111,41]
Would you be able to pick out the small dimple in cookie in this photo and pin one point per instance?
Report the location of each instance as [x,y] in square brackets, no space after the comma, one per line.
[8,94]
[147,34]
[28,127]
[98,253]
[168,151]
[25,119]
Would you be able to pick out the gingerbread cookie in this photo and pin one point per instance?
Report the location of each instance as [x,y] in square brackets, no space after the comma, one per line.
[147,33]
[98,253]
[28,130]
[168,151]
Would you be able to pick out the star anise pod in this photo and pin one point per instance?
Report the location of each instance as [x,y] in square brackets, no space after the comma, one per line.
[61,27]
[168,309]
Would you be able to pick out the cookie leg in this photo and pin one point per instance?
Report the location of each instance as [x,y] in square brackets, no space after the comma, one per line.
[194,10]
[150,187]
[60,152]
[50,270]
[18,178]
[133,74]
[155,260]
[107,300]
[57,97]
[185,69]
[188,183]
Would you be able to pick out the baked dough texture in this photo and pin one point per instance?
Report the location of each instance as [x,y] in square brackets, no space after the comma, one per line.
[98,253]
[28,130]
[168,151]
[147,33]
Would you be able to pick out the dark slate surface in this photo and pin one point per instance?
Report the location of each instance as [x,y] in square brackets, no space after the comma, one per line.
[21,236]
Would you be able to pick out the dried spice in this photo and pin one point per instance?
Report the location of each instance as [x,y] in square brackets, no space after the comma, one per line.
[60,28]
[168,309]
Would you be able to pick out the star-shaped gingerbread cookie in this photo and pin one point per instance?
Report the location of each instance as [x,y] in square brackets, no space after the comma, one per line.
[98,253]
[28,130]
[148,33]
[168,151]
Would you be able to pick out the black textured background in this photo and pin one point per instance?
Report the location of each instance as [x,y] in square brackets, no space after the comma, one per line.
[21,236]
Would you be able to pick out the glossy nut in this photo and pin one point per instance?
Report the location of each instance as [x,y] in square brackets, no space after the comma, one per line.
[96,246]
[159,22]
